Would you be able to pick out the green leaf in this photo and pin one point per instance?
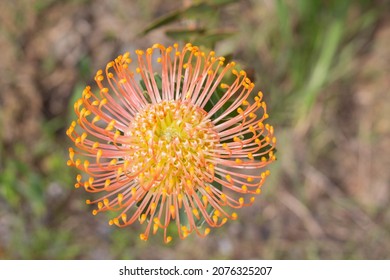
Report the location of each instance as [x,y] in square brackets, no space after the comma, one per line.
[164,20]
[195,11]
[321,69]
[145,92]
[191,11]
[185,35]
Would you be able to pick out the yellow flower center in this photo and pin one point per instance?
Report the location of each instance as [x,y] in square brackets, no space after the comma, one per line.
[168,146]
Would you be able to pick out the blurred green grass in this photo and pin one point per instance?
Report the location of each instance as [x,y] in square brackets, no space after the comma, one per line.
[304,55]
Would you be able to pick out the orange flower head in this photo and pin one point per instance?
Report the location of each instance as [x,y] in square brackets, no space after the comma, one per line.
[178,140]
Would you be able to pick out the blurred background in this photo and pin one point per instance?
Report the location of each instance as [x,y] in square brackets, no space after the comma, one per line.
[323,65]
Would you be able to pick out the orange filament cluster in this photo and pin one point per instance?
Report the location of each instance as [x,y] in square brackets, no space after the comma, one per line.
[158,153]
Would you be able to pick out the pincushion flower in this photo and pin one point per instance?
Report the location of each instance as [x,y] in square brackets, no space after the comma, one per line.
[178,140]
